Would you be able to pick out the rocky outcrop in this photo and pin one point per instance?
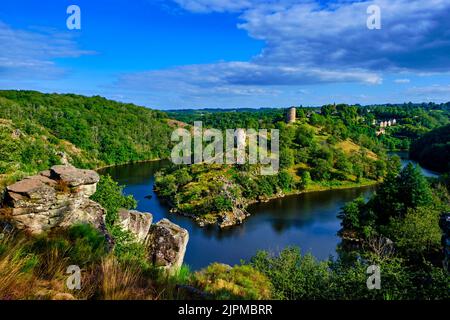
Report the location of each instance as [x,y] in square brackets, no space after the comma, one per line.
[58,197]
[232,218]
[166,241]
[167,244]
[136,222]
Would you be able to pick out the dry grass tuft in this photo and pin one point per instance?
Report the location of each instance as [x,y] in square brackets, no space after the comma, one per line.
[121,282]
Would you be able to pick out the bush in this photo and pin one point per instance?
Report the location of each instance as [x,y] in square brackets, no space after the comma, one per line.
[239,282]
[88,244]
[80,245]
[417,235]
[110,196]
[292,275]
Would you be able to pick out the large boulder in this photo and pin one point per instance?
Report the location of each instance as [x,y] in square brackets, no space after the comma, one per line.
[167,244]
[74,177]
[138,223]
[58,197]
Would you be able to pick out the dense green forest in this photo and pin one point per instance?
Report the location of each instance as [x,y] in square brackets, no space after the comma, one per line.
[397,230]
[91,131]
[413,120]
[432,150]
[36,129]
[317,152]
[334,146]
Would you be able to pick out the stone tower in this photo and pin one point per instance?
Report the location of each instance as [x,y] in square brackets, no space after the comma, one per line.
[292,115]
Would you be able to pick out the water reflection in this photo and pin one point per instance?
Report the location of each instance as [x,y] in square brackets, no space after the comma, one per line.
[404,157]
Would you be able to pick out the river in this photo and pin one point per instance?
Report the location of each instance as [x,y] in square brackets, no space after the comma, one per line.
[306,220]
[404,156]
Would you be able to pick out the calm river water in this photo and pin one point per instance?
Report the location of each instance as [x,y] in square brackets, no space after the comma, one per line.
[307,220]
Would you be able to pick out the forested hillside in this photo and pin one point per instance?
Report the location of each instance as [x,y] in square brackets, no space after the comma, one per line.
[413,121]
[355,121]
[333,149]
[433,149]
[91,131]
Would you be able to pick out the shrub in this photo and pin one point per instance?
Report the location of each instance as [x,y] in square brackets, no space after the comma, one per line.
[239,282]
[292,275]
[110,196]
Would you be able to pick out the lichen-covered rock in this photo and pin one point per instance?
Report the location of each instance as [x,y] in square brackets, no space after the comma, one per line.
[167,244]
[232,218]
[58,197]
[74,177]
[138,223]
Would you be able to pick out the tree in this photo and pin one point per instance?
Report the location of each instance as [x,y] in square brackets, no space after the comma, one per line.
[306,179]
[322,170]
[417,234]
[304,136]
[287,158]
[413,188]
[351,215]
[380,169]
[328,110]
[285,180]
[343,163]
[110,196]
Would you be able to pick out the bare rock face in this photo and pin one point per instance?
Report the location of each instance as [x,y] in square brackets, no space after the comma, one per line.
[136,222]
[167,244]
[58,197]
[166,241]
[232,218]
[74,177]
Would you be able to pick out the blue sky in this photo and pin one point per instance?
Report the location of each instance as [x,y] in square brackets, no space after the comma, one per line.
[222,53]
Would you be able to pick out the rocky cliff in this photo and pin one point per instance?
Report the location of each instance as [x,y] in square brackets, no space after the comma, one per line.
[166,241]
[59,198]
[55,198]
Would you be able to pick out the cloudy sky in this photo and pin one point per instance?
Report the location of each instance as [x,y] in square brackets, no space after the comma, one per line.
[223,53]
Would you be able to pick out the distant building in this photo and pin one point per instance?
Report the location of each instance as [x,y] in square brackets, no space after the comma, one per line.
[384,125]
[292,115]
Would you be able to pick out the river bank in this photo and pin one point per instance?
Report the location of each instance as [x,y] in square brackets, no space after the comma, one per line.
[243,213]
[307,220]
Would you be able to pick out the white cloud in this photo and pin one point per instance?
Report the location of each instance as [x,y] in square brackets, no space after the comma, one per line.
[334,35]
[30,54]
[433,93]
[314,42]
[436,89]
[225,80]
[202,6]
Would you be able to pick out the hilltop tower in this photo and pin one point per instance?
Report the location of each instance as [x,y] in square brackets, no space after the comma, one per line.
[292,115]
